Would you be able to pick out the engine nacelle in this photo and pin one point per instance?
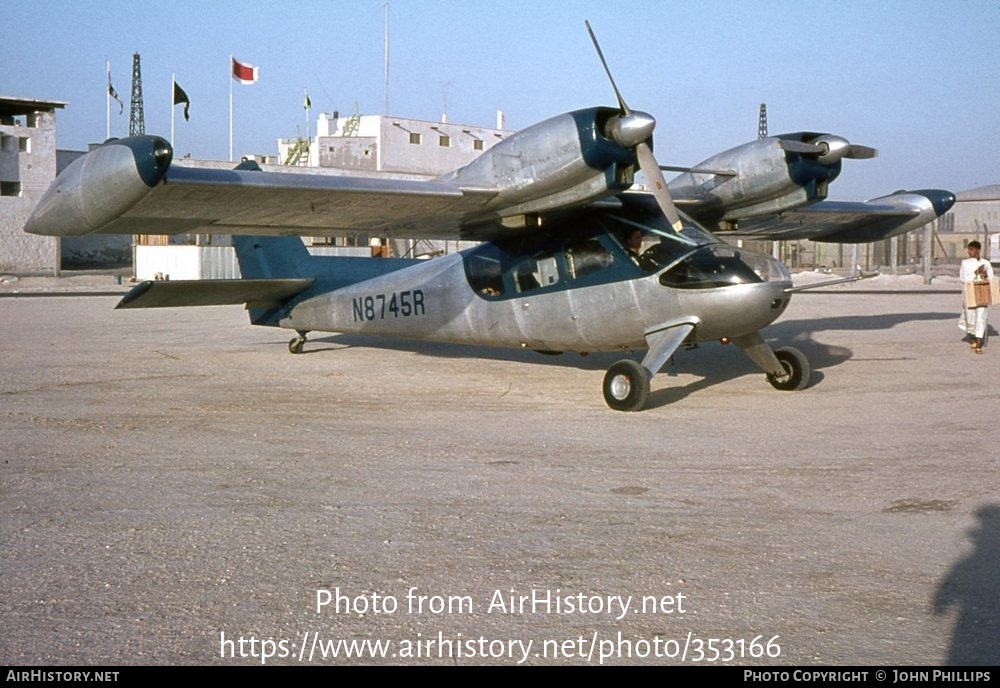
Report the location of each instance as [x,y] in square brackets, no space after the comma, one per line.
[560,162]
[765,176]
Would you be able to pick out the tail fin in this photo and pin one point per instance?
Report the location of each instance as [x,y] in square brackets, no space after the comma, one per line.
[272,257]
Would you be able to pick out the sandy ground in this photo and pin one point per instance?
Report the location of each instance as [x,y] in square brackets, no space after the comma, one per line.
[176,488]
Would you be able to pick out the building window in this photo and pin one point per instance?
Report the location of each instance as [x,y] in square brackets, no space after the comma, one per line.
[444,141]
[10,188]
[24,144]
[477,144]
[414,138]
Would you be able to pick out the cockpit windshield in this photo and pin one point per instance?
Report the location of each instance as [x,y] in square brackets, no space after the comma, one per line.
[651,242]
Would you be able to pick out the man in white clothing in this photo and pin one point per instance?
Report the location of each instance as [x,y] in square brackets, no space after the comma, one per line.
[975,269]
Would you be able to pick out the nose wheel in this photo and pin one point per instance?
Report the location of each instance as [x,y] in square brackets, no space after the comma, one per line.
[796,370]
[296,344]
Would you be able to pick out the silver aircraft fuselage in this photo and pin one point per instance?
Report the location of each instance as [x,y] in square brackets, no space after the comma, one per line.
[436,301]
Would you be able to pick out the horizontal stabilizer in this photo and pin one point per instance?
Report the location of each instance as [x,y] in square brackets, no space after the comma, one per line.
[256,293]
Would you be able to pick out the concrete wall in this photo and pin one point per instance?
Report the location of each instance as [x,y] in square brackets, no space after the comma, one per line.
[27,167]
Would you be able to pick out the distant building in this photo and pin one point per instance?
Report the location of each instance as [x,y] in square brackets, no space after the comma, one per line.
[975,215]
[396,147]
[27,167]
[383,145]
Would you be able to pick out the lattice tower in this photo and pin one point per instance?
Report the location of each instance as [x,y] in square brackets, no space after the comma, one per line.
[136,121]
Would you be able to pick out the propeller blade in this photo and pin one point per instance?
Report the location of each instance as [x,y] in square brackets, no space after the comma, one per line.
[621,101]
[857,152]
[635,131]
[647,163]
[853,151]
[800,147]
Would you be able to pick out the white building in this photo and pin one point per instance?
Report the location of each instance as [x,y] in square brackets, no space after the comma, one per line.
[390,146]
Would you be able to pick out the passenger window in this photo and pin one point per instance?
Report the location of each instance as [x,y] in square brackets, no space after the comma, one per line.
[586,257]
[485,271]
[536,272]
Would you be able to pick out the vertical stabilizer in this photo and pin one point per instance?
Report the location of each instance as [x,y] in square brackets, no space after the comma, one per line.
[272,257]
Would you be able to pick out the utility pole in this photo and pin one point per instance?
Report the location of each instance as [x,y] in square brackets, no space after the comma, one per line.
[762,122]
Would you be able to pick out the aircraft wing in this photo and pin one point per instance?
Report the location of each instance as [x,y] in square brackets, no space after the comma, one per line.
[123,188]
[198,200]
[847,222]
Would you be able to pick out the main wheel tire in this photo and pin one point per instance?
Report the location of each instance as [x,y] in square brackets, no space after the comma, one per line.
[626,386]
[796,367]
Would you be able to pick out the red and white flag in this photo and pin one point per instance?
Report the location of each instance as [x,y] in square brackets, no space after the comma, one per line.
[244,73]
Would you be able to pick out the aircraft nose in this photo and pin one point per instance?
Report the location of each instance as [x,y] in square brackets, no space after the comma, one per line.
[101,186]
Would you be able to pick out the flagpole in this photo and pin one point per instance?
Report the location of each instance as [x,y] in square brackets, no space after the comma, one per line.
[386,110]
[230,107]
[107,99]
[173,83]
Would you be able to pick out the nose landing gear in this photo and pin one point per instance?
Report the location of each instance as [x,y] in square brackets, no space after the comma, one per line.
[796,370]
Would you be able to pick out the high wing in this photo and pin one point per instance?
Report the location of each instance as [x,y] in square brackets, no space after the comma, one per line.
[192,199]
[133,186]
[848,222]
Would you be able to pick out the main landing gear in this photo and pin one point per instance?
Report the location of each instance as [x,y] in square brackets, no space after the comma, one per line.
[296,343]
[626,386]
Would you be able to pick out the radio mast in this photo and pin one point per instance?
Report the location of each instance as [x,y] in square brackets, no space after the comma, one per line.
[136,121]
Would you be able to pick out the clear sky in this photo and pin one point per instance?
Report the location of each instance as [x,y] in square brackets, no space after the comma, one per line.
[917,79]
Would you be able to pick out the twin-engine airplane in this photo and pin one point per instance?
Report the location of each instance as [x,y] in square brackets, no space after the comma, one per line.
[570,260]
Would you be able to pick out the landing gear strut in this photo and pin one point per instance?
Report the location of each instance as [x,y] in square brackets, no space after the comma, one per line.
[296,343]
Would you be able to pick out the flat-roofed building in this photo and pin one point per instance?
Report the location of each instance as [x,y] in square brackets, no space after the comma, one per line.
[27,168]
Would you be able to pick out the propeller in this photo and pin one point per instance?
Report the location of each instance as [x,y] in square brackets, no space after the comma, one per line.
[633,129]
[829,149]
